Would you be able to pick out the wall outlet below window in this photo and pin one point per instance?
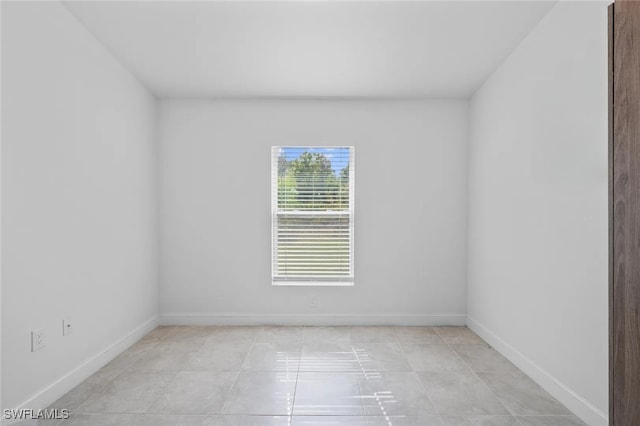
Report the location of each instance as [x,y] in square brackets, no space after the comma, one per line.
[313,301]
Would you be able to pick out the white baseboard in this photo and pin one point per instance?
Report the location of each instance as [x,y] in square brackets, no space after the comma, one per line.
[574,402]
[310,319]
[55,390]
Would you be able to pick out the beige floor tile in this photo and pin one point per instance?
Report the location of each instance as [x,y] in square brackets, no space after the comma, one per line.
[417,335]
[460,393]
[234,334]
[160,332]
[137,420]
[194,334]
[217,356]
[114,368]
[550,421]
[481,421]
[243,420]
[395,394]
[458,336]
[328,356]
[262,393]
[133,392]
[436,358]
[76,396]
[331,393]
[105,420]
[373,357]
[372,335]
[195,392]
[144,345]
[178,420]
[327,335]
[41,422]
[281,335]
[329,421]
[273,357]
[521,395]
[166,356]
[483,358]
[405,421]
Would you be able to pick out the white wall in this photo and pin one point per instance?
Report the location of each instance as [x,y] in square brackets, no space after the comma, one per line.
[78,200]
[538,207]
[410,212]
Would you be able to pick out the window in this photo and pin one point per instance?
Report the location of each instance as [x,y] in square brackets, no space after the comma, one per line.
[312,215]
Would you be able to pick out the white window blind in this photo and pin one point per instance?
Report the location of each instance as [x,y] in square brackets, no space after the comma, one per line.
[312,215]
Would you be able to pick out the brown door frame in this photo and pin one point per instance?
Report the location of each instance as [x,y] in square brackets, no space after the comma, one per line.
[624,213]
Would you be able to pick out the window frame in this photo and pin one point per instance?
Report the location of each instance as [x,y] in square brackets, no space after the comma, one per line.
[347,281]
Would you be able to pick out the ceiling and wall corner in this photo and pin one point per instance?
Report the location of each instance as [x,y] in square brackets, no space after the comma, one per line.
[308,49]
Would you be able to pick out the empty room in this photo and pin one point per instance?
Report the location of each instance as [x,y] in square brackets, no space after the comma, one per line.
[362,213]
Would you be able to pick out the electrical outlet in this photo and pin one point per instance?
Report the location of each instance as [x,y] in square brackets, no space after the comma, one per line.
[37,339]
[66,327]
[313,301]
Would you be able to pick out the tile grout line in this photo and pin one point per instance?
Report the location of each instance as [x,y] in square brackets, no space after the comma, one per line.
[224,403]
[364,374]
[295,388]
[137,357]
[476,374]
[435,408]
[366,416]
[174,374]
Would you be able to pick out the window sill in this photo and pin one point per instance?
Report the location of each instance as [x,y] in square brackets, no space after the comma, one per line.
[312,283]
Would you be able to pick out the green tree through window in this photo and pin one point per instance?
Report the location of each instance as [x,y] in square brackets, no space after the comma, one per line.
[309,182]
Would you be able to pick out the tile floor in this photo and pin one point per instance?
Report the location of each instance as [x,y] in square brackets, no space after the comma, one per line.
[295,376]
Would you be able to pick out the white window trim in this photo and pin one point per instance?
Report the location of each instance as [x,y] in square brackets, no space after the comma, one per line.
[332,282]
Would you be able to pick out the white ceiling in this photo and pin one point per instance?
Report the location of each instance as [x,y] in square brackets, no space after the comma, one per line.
[310,48]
